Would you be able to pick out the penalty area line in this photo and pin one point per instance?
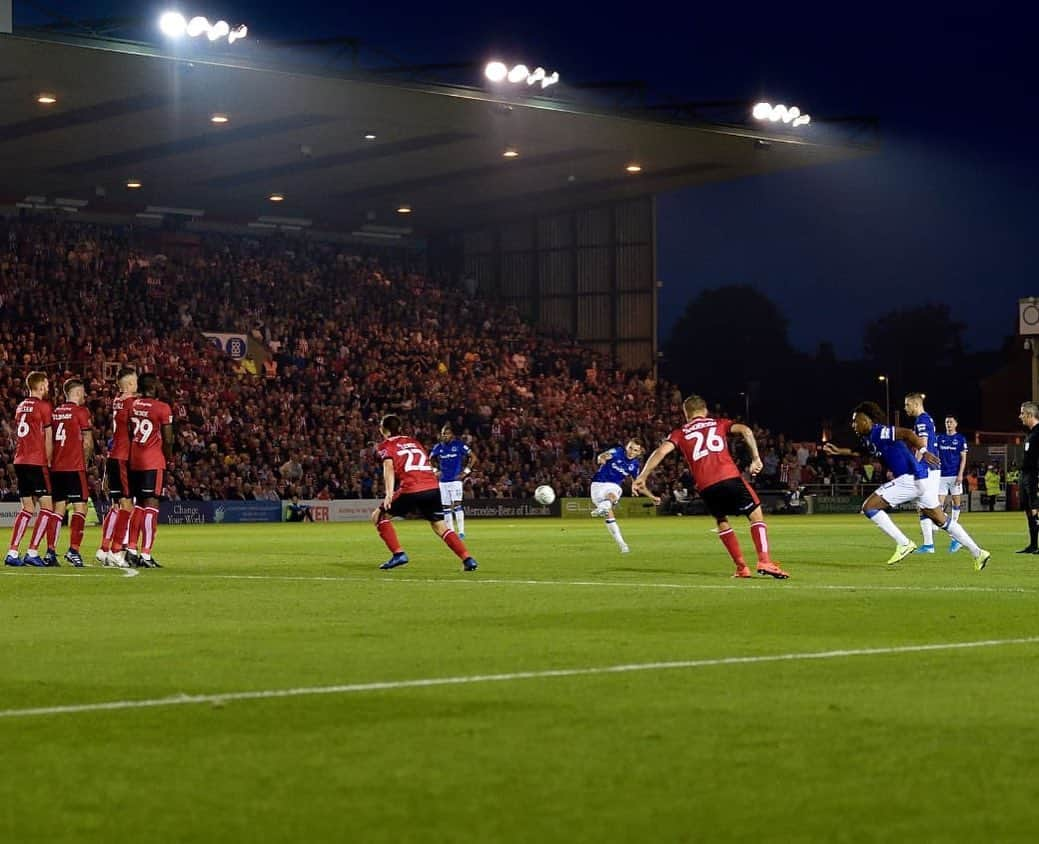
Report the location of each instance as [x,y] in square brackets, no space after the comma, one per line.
[473,679]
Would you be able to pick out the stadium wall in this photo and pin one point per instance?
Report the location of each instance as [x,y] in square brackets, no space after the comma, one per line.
[589,273]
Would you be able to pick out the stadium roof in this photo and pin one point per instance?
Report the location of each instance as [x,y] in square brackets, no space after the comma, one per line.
[129,111]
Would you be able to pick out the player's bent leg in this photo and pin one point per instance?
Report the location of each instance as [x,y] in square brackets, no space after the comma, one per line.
[727,536]
[459,516]
[386,531]
[455,543]
[759,533]
[875,509]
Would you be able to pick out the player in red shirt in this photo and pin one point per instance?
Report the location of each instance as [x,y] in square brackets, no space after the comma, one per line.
[702,441]
[73,451]
[116,526]
[32,457]
[151,446]
[405,459]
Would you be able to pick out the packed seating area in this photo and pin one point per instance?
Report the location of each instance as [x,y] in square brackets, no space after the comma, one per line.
[342,339]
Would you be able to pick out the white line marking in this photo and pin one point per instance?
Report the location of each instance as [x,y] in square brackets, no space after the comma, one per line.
[391,685]
[637,584]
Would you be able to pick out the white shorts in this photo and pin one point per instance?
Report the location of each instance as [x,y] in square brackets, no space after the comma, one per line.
[928,489]
[600,492]
[450,492]
[899,491]
[948,485]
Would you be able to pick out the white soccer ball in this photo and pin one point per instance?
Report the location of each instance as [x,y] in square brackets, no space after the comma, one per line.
[544,494]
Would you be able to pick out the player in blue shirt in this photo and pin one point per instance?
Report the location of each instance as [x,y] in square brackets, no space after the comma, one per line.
[615,465]
[923,426]
[453,460]
[892,446]
[952,451]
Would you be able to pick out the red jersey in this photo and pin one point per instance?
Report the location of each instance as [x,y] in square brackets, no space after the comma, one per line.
[147,416]
[70,422]
[411,466]
[31,421]
[705,448]
[121,428]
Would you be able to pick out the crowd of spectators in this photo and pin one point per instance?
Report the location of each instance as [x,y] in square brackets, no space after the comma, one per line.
[336,340]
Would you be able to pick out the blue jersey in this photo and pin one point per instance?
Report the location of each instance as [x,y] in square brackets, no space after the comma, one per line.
[451,457]
[950,447]
[895,454]
[923,427]
[617,468]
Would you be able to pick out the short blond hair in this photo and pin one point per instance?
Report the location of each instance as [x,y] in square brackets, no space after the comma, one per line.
[34,379]
[693,403]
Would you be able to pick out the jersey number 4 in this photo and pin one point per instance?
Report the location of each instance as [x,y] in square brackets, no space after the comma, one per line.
[712,443]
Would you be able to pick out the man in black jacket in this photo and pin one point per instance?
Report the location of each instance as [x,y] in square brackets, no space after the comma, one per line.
[1030,475]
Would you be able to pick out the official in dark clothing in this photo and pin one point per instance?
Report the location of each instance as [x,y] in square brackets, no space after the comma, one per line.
[1030,475]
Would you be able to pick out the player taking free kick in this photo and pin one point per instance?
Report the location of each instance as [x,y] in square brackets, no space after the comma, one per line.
[702,441]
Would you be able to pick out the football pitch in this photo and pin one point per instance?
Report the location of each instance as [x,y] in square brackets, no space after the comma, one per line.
[271,684]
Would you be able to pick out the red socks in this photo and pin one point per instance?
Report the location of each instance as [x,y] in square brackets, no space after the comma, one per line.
[42,528]
[455,544]
[21,524]
[732,545]
[77,525]
[389,535]
[120,528]
[149,523]
[136,522]
[760,535]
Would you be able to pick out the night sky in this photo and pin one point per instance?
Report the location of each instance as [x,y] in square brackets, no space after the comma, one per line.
[939,214]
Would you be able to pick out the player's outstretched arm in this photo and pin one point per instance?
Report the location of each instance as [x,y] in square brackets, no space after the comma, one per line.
[604,457]
[752,444]
[638,486]
[837,451]
[917,443]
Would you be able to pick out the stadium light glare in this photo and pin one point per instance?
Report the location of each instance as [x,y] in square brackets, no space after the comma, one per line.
[762,111]
[370,136]
[219,117]
[790,115]
[277,197]
[221,29]
[46,99]
[518,74]
[496,71]
[173,24]
[133,184]
[510,152]
[403,209]
[197,25]
[634,168]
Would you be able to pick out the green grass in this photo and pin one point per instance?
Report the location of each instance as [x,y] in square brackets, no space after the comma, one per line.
[916,746]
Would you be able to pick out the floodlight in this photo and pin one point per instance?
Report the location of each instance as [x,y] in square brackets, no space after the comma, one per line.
[196,26]
[537,76]
[518,73]
[803,120]
[173,24]
[762,111]
[237,34]
[46,99]
[777,113]
[221,29]
[496,71]
[553,79]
